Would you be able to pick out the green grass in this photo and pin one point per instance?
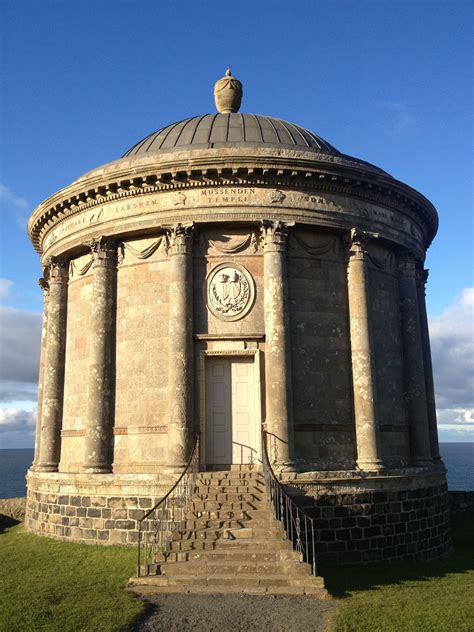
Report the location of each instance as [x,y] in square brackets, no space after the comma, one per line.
[51,585]
[406,597]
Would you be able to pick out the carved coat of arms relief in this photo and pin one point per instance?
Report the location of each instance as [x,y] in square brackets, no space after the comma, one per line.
[230,291]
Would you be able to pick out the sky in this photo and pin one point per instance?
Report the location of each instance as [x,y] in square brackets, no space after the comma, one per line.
[388,81]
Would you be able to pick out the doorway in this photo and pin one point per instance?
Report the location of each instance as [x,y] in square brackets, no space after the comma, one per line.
[232,422]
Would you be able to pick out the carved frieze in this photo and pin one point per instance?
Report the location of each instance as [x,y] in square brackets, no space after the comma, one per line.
[229,291]
[160,244]
[230,244]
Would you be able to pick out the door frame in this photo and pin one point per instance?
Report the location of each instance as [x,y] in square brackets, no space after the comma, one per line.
[202,377]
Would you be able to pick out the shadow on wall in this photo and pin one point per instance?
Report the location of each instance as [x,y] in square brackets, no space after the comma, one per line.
[343,581]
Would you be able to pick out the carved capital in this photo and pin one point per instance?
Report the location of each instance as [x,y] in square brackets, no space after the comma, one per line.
[275,235]
[180,239]
[357,240]
[103,250]
[421,279]
[56,270]
[406,264]
[44,285]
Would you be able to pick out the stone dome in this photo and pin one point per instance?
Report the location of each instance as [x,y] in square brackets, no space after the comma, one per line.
[233,130]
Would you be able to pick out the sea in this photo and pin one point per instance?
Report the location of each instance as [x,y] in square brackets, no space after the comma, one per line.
[458,458]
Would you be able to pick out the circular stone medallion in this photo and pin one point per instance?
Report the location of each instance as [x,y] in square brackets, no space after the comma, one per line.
[230,291]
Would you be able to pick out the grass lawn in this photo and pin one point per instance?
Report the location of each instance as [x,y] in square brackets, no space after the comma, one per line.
[51,585]
[405,597]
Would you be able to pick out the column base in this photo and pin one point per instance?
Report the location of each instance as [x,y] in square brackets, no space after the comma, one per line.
[377,465]
[97,469]
[46,467]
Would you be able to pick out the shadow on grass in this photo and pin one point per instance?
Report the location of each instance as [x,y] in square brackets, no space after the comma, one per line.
[342,581]
[6,522]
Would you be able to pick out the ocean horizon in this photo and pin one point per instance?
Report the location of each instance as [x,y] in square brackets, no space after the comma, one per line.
[14,463]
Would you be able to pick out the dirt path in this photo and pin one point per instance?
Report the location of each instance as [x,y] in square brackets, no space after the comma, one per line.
[235,613]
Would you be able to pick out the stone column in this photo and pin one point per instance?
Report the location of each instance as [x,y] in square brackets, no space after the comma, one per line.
[362,353]
[52,391]
[421,279]
[278,395]
[414,370]
[180,341]
[44,285]
[99,422]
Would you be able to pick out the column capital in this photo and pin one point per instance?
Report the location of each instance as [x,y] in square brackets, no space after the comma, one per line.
[103,249]
[422,277]
[275,235]
[56,270]
[356,242]
[44,285]
[180,238]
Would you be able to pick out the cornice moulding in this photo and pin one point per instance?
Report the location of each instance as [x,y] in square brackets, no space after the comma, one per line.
[112,182]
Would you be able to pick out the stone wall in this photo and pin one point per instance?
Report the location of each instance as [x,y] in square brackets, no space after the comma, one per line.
[76,367]
[387,349]
[320,351]
[96,509]
[380,524]
[141,382]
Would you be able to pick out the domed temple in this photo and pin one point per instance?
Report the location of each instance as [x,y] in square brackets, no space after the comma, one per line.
[232,274]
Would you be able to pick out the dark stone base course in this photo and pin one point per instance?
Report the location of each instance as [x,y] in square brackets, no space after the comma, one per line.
[92,519]
[382,526]
[351,528]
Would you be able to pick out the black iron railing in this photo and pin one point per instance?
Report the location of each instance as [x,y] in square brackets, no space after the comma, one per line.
[156,527]
[298,526]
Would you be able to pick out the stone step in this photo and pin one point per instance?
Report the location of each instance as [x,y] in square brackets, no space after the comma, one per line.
[244,583]
[233,474]
[229,489]
[242,544]
[220,505]
[249,497]
[236,554]
[224,514]
[203,566]
[228,534]
[213,523]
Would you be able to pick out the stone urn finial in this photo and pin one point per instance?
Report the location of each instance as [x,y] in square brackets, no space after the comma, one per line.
[228,93]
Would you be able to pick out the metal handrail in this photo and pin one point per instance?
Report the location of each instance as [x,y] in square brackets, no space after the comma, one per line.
[298,526]
[157,525]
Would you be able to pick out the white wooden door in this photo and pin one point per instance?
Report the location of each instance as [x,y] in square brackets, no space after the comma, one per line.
[231,419]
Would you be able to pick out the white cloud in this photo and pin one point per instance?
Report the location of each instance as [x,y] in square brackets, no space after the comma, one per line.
[452,346]
[398,116]
[20,340]
[8,198]
[17,428]
[5,285]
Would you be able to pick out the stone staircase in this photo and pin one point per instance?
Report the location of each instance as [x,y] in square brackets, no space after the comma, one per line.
[230,544]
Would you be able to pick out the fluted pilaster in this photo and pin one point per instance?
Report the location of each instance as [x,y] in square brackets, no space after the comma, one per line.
[99,422]
[414,370]
[362,353]
[180,349]
[279,409]
[52,390]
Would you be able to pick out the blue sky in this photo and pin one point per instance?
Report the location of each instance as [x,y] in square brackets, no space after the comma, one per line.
[387,81]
